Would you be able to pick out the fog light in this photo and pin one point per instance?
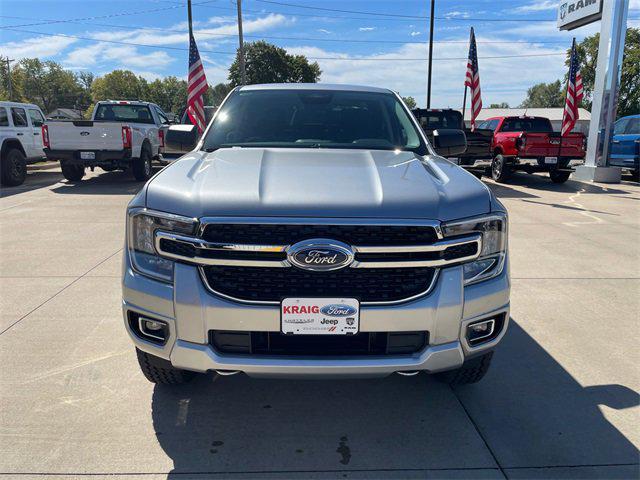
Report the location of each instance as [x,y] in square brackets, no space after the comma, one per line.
[476,332]
[153,328]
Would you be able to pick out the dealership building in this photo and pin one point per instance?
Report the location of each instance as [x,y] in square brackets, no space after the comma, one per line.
[553,114]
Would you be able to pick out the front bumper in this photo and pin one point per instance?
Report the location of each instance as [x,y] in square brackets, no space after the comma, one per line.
[191,311]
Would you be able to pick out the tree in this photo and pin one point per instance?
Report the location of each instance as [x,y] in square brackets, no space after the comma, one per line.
[119,85]
[46,84]
[499,105]
[411,102]
[544,95]
[219,92]
[16,83]
[267,63]
[629,95]
[169,93]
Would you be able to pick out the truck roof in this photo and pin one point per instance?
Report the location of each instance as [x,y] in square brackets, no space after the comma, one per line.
[18,104]
[125,102]
[515,116]
[315,86]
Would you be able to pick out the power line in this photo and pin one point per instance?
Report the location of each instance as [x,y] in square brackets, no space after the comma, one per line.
[309,57]
[165,47]
[396,15]
[271,37]
[377,16]
[97,17]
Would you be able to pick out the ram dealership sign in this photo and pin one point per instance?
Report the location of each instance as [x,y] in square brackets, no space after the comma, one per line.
[576,13]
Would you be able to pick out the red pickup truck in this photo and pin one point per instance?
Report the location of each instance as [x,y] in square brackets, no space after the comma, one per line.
[530,144]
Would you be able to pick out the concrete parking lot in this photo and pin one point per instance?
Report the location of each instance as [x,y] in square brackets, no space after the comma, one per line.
[561,400]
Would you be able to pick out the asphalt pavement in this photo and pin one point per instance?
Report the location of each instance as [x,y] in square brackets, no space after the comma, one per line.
[561,399]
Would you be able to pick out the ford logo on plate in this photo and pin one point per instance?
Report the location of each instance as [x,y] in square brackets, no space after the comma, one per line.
[320,255]
[85,133]
[338,310]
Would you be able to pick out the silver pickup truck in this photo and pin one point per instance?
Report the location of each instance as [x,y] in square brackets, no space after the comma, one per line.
[315,232]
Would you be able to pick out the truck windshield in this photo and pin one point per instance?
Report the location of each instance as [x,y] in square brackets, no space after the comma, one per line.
[208,115]
[432,120]
[536,125]
[123,113]
[314,119]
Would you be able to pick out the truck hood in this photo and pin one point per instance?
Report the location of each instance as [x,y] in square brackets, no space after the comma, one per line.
[298,182]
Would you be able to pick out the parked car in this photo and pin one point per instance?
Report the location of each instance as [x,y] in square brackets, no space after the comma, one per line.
[530,144]
[625,150]
[478,140]
[20,125]
[315,232]
[120,135]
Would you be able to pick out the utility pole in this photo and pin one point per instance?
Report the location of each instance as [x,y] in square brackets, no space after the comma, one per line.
[433,7]
[9,83]
[243,73]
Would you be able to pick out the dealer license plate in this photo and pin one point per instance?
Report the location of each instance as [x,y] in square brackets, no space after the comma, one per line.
[88,155]
[320,316]
[551,160]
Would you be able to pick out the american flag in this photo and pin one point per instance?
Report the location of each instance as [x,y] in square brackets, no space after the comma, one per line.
[472,80]
[197,86]
[575,92]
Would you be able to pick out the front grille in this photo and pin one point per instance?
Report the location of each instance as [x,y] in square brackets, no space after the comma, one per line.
[288,234]
[178,248]
[272,284]
[276,343]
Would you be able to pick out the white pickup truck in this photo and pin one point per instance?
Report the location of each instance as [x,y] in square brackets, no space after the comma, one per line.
[20,140]
[120,135]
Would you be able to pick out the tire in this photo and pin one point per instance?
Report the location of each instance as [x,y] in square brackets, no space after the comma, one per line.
[158,370]
[71,172]
[500,171]
[13,169]
[472,371]
[141,166]
[559,176]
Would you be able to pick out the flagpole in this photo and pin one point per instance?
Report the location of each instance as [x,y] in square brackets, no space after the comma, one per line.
[464,100]
[464,103]
[433,7]
[566,94]
[190,18]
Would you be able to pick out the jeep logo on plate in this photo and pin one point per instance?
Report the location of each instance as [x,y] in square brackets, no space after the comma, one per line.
[339,310]
[320,255]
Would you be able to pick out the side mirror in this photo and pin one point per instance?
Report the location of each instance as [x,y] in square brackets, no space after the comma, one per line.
[449,142]
[181,138]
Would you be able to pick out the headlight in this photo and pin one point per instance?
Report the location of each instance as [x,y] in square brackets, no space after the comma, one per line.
[490,262]
[141,228]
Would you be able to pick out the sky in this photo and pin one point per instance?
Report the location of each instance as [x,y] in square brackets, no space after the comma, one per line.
[367,42]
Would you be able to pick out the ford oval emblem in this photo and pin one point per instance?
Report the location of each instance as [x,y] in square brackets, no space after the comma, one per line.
[338,310]
[320,255]
[85,133]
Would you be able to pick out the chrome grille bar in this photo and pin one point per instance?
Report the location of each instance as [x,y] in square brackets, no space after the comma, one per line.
[198,244]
